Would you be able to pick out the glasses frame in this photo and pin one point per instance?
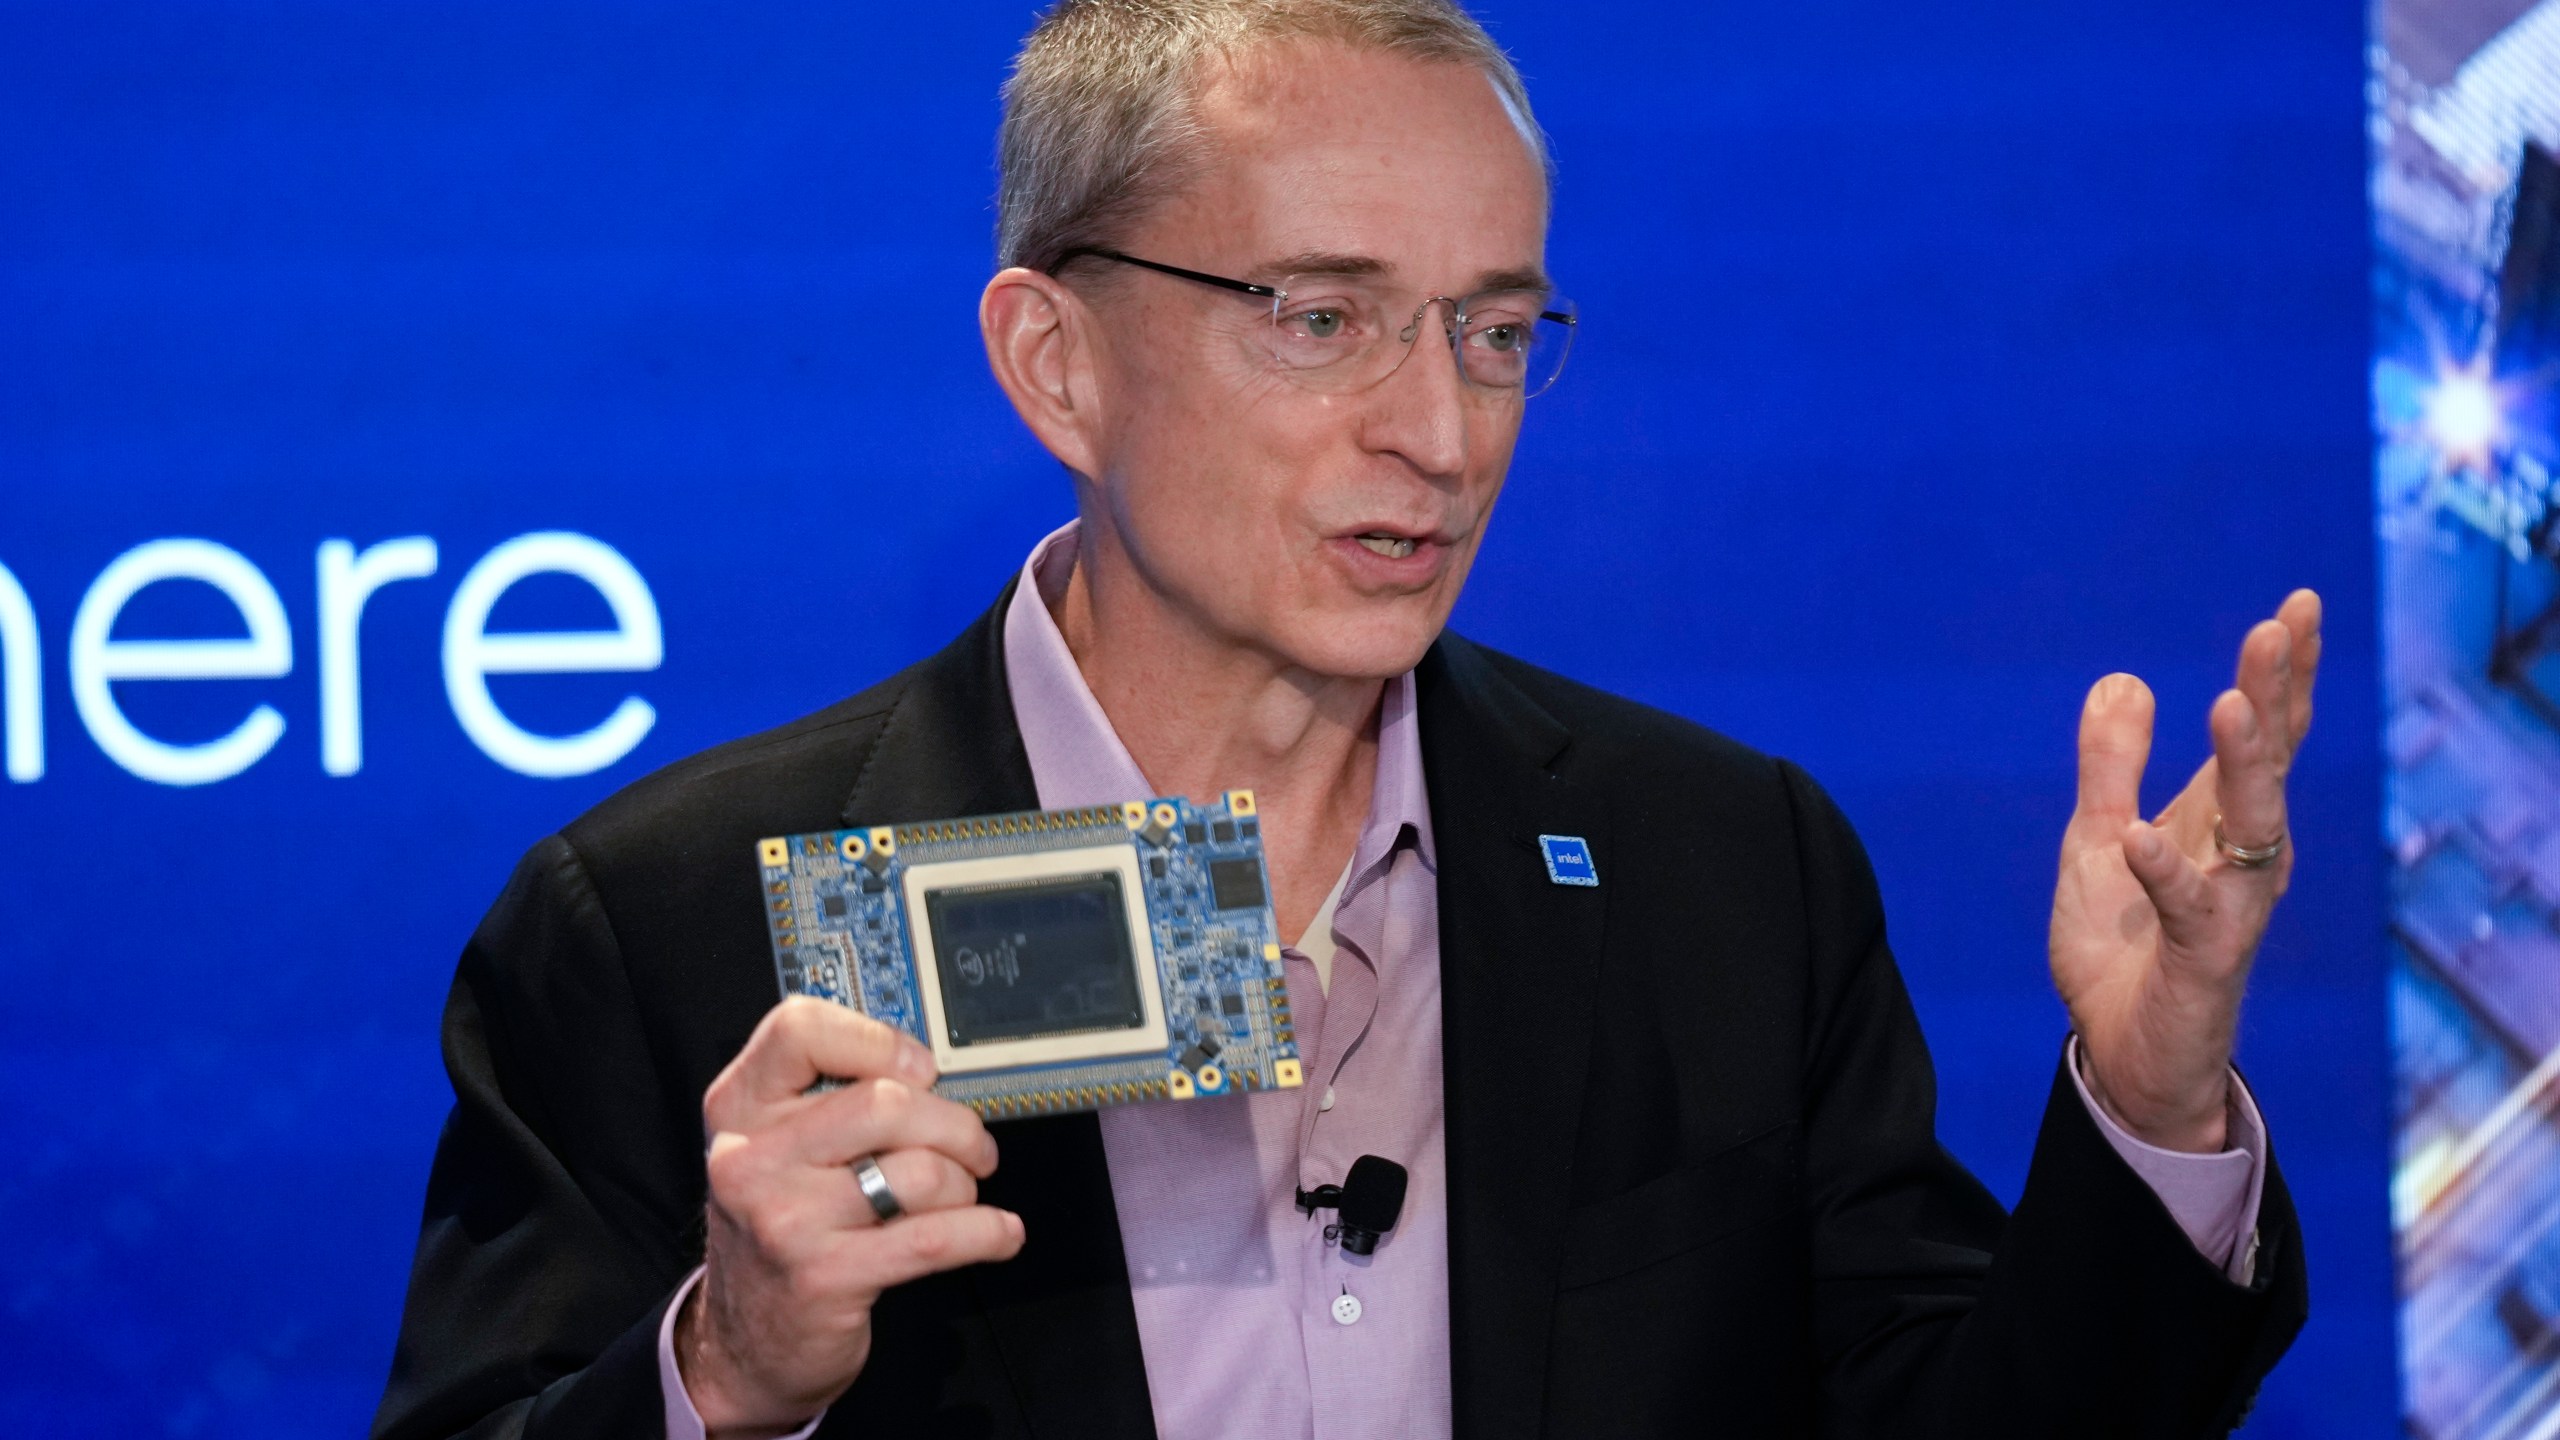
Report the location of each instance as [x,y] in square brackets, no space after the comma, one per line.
[1569,319]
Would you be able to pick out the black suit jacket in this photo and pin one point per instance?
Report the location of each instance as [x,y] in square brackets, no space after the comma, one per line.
[1693,1182]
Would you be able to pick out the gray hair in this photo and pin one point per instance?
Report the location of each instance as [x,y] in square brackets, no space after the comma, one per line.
[1098,118]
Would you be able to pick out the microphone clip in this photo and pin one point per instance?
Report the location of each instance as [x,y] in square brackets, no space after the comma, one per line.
[1365,1204]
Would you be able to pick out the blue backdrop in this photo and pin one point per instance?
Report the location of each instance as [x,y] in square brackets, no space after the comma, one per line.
[1938,358]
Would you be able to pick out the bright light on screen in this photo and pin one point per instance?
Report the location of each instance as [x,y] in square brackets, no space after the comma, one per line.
[2464,416]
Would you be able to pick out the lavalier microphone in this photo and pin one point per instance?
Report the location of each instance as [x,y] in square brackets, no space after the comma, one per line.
[1365,1204]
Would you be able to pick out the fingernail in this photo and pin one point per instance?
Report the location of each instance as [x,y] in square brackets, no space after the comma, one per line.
[2148,841]
[1013,1223]
[919,1064]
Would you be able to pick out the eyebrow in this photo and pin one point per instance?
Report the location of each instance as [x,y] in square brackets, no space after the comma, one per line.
[1325,262]
[1341,265]
[1530,279]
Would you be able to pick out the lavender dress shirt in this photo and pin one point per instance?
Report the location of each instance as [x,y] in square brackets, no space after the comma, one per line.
[1252,1324]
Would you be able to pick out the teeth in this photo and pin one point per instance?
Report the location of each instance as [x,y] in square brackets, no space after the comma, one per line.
[1388,545]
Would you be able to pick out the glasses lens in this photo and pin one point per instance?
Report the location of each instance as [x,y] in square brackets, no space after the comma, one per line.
[1328,332]
[1516,339]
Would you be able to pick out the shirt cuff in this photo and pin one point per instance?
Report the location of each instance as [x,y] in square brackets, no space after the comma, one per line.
[2214,1198]
[683,1421]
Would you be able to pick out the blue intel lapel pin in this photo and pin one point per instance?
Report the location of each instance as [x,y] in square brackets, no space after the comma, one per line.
[1568,860]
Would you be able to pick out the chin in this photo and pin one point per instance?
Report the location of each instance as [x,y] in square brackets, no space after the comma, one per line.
[1369,647]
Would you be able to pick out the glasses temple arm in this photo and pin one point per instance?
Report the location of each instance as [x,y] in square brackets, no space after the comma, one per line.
[1245,287]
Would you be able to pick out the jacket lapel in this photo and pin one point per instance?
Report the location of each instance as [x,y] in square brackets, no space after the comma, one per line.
[1519,956]
[949,747]
[1059,1317]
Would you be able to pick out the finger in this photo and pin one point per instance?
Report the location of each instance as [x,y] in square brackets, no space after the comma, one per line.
[880,1115]
[919,1245]
[2251,789]
[2265,675]
[2115,743]
[793,1206]
[2188,817]
[2179,893]
[2301,613]
[922,1180]
[799,1042]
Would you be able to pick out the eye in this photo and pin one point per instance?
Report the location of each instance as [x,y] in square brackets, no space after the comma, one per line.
[1504,339]
[1328,317]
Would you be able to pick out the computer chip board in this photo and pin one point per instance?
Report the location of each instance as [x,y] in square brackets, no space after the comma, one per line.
[1053,960]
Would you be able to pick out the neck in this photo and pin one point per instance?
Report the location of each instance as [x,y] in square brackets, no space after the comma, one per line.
[1202,715]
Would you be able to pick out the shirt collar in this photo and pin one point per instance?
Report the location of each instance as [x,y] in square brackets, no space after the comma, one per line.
[1077,758]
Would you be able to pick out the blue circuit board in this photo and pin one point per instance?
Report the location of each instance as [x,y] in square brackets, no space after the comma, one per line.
[1053,960]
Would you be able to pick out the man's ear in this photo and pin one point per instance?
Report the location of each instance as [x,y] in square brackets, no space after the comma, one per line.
[1041,347]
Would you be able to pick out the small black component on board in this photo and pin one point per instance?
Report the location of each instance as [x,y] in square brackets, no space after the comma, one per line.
[1237,883]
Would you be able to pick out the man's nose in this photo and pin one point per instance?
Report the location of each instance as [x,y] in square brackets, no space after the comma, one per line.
[1421,406]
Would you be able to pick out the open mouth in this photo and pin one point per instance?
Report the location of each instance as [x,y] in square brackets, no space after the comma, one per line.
[1393,547]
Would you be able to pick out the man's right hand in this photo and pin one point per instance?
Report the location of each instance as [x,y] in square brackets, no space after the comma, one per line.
[794,1256]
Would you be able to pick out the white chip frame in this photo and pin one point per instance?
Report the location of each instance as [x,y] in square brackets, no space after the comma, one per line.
[1151,1037]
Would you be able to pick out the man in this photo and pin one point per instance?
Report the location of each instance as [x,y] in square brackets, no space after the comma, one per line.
[1274,294]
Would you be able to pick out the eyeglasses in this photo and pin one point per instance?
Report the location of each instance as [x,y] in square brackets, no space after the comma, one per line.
[1339,333]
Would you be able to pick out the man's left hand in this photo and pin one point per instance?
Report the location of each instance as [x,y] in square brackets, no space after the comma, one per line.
[2155,924]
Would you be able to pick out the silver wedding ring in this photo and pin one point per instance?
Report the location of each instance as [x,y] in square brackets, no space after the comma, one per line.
[2244,856]
[875,1188]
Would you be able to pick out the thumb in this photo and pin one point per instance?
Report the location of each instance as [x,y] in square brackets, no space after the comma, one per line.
[2115,743]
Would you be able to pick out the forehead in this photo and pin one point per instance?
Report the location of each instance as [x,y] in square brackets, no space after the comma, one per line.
[1318,147]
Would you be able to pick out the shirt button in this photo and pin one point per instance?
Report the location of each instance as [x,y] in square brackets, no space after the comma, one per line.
[1326,1104]
[1346,1309]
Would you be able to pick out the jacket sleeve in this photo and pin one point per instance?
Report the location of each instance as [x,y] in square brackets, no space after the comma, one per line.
[2087,1312]
[558,1214]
